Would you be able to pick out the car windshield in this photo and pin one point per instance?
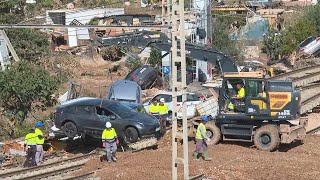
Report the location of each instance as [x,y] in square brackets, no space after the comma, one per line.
[121,110]
[307,41]
[132,73]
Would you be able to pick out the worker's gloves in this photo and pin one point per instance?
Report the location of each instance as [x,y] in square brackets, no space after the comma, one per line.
[117,141]
[208,140]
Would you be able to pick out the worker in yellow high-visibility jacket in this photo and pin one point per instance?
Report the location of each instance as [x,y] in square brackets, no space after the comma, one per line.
[239,97]
[30,146]
[110,142]
[162,107]
[201,141]
[153,110]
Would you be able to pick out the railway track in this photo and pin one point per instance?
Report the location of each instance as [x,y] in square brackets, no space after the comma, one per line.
[45,158]
[310,97]
[301,77]
[297,73]
[48,171]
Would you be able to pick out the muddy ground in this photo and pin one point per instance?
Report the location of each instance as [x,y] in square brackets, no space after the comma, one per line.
[230,161]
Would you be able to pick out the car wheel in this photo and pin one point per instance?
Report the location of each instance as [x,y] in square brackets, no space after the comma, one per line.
[131,135]
[70,129]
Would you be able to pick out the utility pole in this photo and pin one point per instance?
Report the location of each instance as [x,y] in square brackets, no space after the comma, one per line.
[179,59]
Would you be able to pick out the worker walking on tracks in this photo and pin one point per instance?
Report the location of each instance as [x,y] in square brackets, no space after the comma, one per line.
[40,142]
[30,146]
[110,141]
[201,141]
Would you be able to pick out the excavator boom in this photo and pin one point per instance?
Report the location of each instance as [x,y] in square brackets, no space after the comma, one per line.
[161,42]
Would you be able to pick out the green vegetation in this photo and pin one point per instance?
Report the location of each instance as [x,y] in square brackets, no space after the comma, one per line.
[30,45]
[279,45]
[155,57]
[220,35]
[25,87]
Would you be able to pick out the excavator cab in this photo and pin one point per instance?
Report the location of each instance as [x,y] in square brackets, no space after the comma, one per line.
[263,99]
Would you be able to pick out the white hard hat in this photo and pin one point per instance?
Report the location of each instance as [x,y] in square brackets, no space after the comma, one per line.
[108,124]
[162,100]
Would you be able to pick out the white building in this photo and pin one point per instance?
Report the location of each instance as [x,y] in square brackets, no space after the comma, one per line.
[77,17]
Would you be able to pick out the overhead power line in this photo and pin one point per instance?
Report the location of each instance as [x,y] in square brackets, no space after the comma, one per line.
[35,26]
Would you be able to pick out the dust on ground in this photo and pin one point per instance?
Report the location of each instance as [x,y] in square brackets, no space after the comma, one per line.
[231,160]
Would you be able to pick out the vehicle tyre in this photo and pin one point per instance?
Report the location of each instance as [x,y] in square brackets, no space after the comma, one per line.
[131,135]
[267,138]
[70,129]
[213,132]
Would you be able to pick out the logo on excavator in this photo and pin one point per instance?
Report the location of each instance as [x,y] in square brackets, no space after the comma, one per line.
[151,36]
[284,114]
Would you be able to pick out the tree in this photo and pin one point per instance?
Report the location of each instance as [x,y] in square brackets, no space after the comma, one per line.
[29,44]
[221,40]
[297,32]
[155,58]
[272,45]
[25,86]
[279,45]
[12,6]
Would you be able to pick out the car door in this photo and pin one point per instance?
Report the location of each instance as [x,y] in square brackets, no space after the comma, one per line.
[103,116]
[84,117]
[113,118]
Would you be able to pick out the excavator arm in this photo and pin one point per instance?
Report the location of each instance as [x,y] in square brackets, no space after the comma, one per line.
[161,42]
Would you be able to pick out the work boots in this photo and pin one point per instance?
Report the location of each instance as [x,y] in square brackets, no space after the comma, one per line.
[114,157]
[206,156]
[195,156]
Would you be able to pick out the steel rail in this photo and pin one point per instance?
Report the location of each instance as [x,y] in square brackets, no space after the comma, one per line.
[46,157]
[53,172]
[317,129]
[291,73]
[309,91]
[35,168]
[310,103]
[304,80]
[79,176]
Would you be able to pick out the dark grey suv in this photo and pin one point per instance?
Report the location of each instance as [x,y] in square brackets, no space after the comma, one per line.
[88,116]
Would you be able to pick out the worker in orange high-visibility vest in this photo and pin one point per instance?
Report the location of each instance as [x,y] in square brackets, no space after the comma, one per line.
[110,142]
